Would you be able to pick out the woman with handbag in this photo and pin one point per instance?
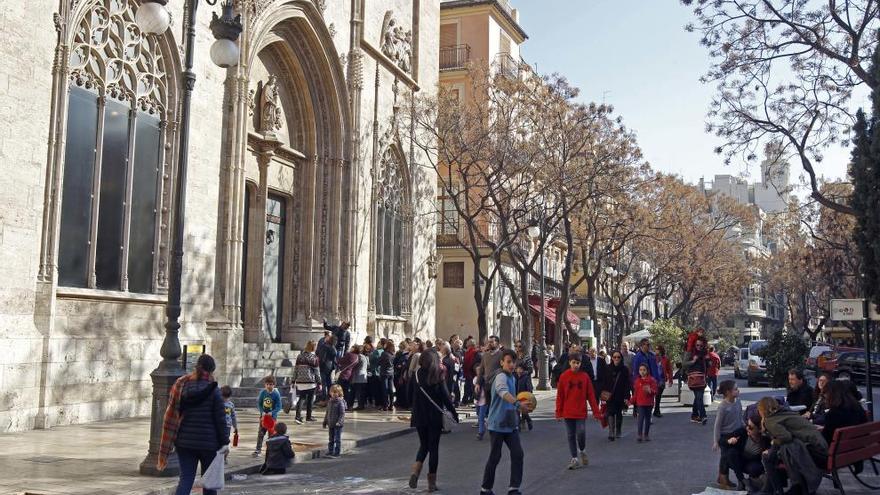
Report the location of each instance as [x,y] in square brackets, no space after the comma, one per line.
[696,379]
[615,391]
[195,424]
[430,404]
[306,381]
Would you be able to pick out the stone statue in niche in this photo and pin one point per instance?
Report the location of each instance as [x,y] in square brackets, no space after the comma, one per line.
[397,43]
[270,108]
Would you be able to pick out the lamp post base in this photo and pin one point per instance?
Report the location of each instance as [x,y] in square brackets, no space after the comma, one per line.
[163,378]
[543,384]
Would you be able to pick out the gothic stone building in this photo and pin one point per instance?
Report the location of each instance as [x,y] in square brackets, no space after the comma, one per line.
[302,201]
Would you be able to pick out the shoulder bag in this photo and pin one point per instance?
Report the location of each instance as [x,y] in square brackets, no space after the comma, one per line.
[448,418]
[606,394]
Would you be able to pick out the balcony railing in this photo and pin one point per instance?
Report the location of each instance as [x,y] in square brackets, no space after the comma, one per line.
[454,57]
[508,65]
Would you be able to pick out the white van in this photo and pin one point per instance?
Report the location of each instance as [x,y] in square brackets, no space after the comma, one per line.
[741,364]
[757,369]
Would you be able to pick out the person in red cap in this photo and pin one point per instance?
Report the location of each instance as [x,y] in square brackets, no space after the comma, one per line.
[573,392]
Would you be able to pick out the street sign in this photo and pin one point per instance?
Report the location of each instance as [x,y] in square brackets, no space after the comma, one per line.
[847,310]
[852,310]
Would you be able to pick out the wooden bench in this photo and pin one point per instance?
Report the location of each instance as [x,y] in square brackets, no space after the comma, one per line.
[851,445]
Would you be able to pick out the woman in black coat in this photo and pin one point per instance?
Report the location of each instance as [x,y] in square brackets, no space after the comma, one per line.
[202,429]
[617,385]
[429,395]
[699,363]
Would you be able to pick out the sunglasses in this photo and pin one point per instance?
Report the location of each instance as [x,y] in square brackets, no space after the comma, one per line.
[615,357]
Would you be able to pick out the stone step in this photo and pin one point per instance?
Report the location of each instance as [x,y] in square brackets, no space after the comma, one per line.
[274,346]
[268,363]
[261,372]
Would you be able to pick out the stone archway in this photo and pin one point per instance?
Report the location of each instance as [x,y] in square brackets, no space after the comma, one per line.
[295,143]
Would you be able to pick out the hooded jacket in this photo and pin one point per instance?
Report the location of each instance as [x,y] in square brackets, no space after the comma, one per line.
[785,426]
[279,452]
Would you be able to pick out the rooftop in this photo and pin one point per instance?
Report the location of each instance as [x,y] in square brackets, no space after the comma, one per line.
[502,6]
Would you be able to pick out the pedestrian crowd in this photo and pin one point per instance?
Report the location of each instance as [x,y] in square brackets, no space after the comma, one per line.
[772,443]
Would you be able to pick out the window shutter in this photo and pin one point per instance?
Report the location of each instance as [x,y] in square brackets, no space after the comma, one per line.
[448,35]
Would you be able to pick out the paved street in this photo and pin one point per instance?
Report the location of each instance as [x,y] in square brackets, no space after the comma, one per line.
[678,461]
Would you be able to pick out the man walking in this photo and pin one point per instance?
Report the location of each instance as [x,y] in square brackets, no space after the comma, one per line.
[490,363]
[504,426]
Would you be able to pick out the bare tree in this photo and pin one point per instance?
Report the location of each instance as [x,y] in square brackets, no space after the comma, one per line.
[786,71]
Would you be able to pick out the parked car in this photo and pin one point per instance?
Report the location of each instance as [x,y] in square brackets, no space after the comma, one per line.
[741,365]
[757,371]
[851,366]
[730,356]
[815,352]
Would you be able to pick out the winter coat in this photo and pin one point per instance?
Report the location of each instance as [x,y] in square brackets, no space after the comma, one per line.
[386,365]
[470,357]
[785,425]
[334,416]
[360,370]
[803,396]
[526,364]
[617,382]
[373,369]
[326,356]
[640,396]
[279,452]
[595,374]
[401,363]
[203,426]
[649,359]
[838,417]
[424,414]
[343,338]
[524,382]
[347,364]
[306,369]
[573,392]
[714,364]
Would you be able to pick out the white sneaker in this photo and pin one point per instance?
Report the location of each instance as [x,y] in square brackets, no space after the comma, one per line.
[574,463]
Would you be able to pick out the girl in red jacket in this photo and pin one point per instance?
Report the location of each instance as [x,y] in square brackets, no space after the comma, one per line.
[644,391]
[573,392]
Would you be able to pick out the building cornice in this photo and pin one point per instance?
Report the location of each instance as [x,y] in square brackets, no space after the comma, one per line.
[511,24]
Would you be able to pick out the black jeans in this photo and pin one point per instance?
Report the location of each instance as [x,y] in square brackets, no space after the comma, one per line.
[698,409]
[660,389]
[189,459]
[468,391]
[307,397]
[326,381]
[577,435]
[387,391]
[497,439]
[712,381]
[732,455]
[429,443]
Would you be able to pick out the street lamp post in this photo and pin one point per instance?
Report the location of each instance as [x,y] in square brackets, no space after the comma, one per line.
[612,273]
[153,19]
[535,233]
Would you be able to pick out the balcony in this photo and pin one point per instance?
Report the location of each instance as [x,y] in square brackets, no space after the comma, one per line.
[549,290]
[507,65]
[454,57]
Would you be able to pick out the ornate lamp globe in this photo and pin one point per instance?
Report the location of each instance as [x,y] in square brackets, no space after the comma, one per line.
[152,17]
[224,53]
[534,231]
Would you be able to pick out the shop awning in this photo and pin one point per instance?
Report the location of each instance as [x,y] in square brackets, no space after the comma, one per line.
[550,314]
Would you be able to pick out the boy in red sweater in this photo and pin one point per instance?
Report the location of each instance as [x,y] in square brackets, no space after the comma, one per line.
[573,392]
[644,391]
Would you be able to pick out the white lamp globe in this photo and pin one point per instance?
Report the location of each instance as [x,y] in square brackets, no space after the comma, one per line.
[610,271]
[534,232]
[224,53]
[152,18]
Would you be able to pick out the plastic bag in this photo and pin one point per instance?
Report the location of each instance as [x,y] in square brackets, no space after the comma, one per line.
[215,476]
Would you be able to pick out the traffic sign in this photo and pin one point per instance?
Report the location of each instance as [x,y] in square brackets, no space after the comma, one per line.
[852,310]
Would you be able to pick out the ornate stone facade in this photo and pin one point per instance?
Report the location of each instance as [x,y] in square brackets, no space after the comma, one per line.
[285,168]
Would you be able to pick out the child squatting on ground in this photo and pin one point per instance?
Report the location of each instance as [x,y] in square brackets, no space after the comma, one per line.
[279,452]
[334,420]
[268,403]
[573,391]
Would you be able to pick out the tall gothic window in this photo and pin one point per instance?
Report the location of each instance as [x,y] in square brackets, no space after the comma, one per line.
[112,161]
[390,243]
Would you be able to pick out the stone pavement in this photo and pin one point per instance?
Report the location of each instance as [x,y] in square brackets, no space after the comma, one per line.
[103,458]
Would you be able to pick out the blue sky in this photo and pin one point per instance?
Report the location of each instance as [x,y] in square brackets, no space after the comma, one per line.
[636,54]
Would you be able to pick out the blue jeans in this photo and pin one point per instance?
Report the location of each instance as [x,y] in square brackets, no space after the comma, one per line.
[189,460]
[577,435]
[712,381]
[334,446]
[644,420]
[698,410]
[482,411]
